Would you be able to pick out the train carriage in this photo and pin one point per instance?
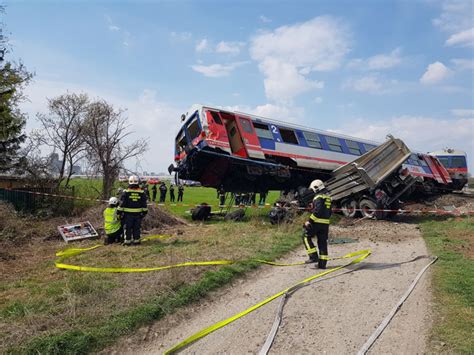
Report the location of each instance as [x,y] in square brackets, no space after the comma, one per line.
[455,162]
[243,152]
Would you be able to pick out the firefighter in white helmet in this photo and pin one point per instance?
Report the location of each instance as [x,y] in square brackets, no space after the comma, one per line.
[132,209]
[318,224]
[112,224]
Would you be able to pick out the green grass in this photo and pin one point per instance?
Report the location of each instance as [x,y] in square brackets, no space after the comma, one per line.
[86,338]
[453,282]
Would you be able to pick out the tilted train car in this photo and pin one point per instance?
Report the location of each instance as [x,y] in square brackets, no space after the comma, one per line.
[455,162]
[246,153]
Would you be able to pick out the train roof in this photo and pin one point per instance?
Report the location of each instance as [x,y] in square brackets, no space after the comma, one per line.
[280,123]
[448,151]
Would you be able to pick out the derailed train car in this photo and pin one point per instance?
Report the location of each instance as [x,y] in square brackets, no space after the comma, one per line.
[246,153]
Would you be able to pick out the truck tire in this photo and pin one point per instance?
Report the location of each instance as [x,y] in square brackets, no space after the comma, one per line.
[365,205]
[349,208]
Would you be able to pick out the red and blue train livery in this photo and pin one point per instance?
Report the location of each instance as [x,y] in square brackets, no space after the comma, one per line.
[247,153]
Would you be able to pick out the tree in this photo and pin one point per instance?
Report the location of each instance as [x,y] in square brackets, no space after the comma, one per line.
[13,78]
[63,130]
[105,133]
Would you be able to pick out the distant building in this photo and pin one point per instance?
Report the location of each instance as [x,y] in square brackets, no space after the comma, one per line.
[55,165]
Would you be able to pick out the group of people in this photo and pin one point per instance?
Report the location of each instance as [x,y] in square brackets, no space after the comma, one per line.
[126,214]
[164,189]
[242,198]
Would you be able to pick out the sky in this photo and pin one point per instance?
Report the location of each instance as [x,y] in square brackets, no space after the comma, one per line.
[365,68]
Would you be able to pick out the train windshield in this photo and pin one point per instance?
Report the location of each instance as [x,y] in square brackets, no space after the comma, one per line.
[458,162]
[180,142]
[193,128]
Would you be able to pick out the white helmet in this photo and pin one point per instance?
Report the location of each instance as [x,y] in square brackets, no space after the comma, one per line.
[133,180]
[113,201]
[316,185]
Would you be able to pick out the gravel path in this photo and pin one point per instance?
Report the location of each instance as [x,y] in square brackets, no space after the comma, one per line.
[335,316]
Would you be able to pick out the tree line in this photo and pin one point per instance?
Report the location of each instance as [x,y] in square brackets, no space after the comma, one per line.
[76,127]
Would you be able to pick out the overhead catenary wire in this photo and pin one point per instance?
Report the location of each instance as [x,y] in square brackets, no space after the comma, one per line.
[368,344]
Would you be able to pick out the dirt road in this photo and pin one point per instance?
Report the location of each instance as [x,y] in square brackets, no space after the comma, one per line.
[334,316]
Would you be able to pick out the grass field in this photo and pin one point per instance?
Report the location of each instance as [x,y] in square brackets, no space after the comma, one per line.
[57,311]
[452,241]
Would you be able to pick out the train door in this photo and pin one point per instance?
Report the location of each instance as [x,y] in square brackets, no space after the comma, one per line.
[251,142]
[233,133]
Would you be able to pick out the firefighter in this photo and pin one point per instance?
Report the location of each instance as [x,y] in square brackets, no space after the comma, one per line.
[112,224]
[318,224]
[132,209]
[221,195]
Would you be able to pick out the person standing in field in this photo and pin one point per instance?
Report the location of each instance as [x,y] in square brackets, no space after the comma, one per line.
[154,191]
[172,196]
[163,190]
[318,224]
[180,193]
[132,210]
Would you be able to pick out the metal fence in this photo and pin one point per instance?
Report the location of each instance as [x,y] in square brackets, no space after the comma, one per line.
[25,200]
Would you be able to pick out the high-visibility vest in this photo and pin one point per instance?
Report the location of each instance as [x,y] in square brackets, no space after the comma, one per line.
[111,222]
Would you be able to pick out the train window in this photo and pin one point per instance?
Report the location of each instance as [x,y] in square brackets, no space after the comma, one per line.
[215,117]
[444,161]
[246,125]
[334,144]
[193,128]
[313,140]
[458,162]
[353,147]
[232,132]
[368,147]
[288,136]
[180,141]
[423,162]
[262,130]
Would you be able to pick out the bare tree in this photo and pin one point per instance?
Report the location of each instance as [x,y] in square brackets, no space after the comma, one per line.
[106,132]
[63,130]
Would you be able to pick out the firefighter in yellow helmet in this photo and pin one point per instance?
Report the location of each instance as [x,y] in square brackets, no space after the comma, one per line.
[318,224]
[132,209]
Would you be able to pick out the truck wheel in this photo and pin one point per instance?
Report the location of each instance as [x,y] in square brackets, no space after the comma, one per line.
[349,208]
[366,206]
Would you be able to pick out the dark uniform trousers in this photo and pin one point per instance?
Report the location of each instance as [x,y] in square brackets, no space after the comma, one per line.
[133,225]
[321,231]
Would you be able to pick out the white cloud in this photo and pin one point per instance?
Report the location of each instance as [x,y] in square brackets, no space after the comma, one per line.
[463,64]
[202,45]
[385,61]
[463,39]
[371,84]
[217,70]
[264,19]
[318,99]
[298,50]
[232,48]
[148,117]
[283,81]
[435,73]
[110,24]
[456,16]
[436,133]
[278,112]
[461,112]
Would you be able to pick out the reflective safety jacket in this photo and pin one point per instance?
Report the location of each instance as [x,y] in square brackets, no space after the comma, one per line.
[321,208]
[111,221]
[133,200]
